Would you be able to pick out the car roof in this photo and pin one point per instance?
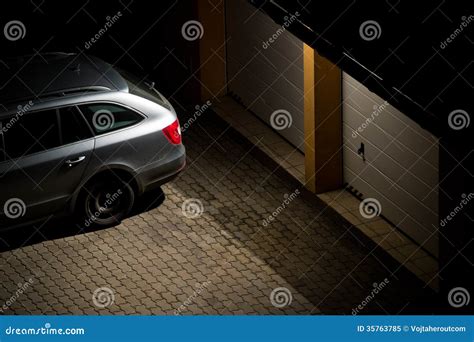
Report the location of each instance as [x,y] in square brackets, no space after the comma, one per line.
[55,74]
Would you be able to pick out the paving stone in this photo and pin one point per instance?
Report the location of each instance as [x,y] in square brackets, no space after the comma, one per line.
[153,260]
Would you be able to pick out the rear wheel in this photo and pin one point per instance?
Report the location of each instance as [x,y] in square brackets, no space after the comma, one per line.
[106,202]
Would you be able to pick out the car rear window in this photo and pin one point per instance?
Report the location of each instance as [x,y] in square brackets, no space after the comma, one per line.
[105,117]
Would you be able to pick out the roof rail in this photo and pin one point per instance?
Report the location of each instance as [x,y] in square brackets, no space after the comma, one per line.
[64,92]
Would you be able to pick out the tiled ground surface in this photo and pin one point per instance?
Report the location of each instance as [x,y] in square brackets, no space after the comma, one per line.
[412,256]
[154,259]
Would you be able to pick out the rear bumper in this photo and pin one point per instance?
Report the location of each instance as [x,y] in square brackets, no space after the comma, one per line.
[163,171]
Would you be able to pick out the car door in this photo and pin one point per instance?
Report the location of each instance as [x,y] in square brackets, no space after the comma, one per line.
[119,141]
[45,155]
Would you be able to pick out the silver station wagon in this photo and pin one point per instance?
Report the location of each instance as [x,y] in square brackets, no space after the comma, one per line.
[78,136]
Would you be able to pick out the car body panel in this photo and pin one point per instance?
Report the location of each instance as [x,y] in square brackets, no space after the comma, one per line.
[44,181]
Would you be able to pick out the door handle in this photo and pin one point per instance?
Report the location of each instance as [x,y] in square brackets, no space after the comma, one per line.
[72,162]
[361,151]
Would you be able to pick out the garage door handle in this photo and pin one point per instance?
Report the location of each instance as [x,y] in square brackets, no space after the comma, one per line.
[72,162]
[361,151]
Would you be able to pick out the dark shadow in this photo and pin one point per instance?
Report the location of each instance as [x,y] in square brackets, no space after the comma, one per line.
[340,263]
[58,228]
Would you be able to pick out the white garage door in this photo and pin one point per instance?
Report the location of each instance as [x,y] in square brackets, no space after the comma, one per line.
[266,78]
[401,162]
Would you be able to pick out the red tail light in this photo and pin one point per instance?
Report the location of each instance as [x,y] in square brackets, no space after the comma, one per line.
[173,133]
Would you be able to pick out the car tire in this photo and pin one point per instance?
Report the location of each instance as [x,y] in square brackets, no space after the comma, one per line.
[105,203]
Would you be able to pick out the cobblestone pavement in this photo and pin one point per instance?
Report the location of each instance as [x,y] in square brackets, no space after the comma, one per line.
[218,258]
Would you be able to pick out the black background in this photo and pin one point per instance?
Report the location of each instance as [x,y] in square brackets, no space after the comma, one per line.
[146,39]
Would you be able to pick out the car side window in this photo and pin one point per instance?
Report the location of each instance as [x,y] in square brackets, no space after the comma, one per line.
[105,117]
[73,126]
[31,133]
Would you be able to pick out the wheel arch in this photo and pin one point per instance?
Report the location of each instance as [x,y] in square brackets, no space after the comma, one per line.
[122,172]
